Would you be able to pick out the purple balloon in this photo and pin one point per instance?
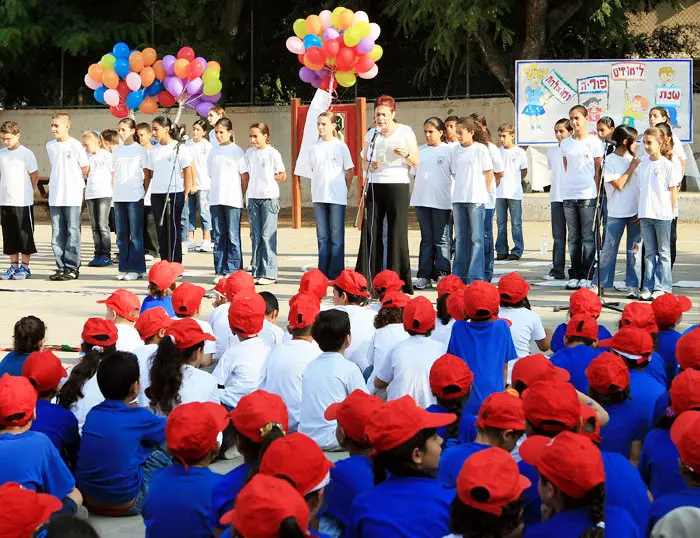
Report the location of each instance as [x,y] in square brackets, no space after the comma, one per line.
[322,73]
[365,45]
[175,87]
[195,102]
[210,98]
[307,75]
[194,86]
[201,59]
[169,64]
[330,33]
[316,83]
[204,108]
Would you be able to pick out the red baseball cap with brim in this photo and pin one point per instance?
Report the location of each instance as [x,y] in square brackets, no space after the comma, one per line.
[552,405]
[17,401]
[187,298]
[386,281]
[237,282]
[354,413]
[395,299]
[640,315]
[490,480]
[588,416]
[151,321]
[632,343]
[582,326]
[570,461]
[125,303]
[315,283]
[513,288]
[535,368]
[455,304]
[688,350]
[481,301]
[668,309]
[685,434]
[684,391]
[44,370]
[186,333]
[450,377]
[608,374]
[192,429]
[303,311]
[399,420]
[584,301]
[419,315]
[257,412]
[24,510]
[220,287]
[100,332]
[351,282]
[449,284]
[164,273]
[501,410]
[247,313]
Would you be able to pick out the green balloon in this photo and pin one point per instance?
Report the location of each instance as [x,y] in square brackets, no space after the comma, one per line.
[108,61]
[212,88]
[210,75]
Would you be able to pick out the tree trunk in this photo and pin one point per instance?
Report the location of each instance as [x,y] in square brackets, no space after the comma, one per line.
[499,62]
[232,16]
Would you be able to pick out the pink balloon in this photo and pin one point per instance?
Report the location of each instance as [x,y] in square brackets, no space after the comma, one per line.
[374,30]
[194,86]
[111,97]
[369,74]
[91,83]
[361,16]
[326,18]
[133,80]
[330,33]
[295,45]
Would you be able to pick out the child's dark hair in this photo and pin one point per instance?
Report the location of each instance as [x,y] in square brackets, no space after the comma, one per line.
[388,316]
[289,528]
[110,136]
[470,124]
[28,334]
[452,118]
[442,314]
[588,102]
[625,133]
[661,110]
[397,461]
[610,399]
[566,123]
[226,124]
[665,128]
[632,364]
[201,123]
[263,128]
[479,118]
[155,291]
[469,522]
[116,374]
[425,334]
[580,108]
[132,125]
[524,303]
[551,428]
[166,374]
[172,128]
[304,331]
[607,121]
[66,527]
[271,302]
[594,501]
[72,390]
[331,329]
[455,406]
[438,124]
[253,452]
[352,299]
[580,340]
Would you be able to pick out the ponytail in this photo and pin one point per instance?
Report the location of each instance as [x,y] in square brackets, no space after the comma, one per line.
[270,432]
[595,502]
[72,390]
[455,406]
[131,124]
[667,143]
[397,461]
[173,129]
[166,375]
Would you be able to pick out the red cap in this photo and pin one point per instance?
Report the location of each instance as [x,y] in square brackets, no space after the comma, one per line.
[237,282]
[584,301]
[151,321]
[640,315]
[124,303]
[315,283]
[582,326]
[386,281]
[220,287]
[589,417]
[99,332]
[513,288]
[398,420]
[685,434]
[192,428]
[395,299]
[263,504]
[450,377]
[164,273]
[668,309]
[502,410]
[688,350]
[257,412]
[44,370]
[419,315]
[569,461]
[354,413]
[17,397]
[297,457]
[535,368]
[455,304]
[608,374]
[684,391]
[490,480]
[481,301]
[186,333]
[23,510]
[632,343]
[548,405]
[449,284]
[351,282]
[187,298]
[247,313]
[303,311]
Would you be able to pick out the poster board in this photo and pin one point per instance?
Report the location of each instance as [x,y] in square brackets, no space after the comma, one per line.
[625,90]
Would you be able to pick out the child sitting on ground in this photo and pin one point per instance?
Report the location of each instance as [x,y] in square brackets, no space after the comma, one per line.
[385,282]
[668,312]
[582,301]
[271,334]
[227,288]
[581,347]
[151,326]
[162,278]
[29,334]
[447,286]
[123,309]
[389,332]
[187,303]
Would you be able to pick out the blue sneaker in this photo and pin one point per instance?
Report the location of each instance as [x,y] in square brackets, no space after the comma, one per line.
[101,262]
[10,273]
[22,273]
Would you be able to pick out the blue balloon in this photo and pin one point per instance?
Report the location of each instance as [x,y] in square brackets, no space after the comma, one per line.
[121,50]
[99,95]
[134,99]
[312,40]
[155,88]
[121,67]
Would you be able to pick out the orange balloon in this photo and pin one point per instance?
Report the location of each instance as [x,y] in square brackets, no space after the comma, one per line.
[314,24]
[110,79]
[159,70]
[345,19]
[180,67]
[149,56]
[149,105]
[95,71]
[136,61]
[148,75]
[214,65]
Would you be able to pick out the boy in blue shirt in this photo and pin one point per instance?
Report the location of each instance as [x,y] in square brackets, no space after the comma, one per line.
[44,371]
[178,502]
[581,348]
[668,312]
[484,342]
[161,283]
[28,336]
[641,316]
[120,447]
[582,301]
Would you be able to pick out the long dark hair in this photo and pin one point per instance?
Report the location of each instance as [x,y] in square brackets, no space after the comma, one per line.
[172,128]
[28,334]
[469,522]
[289,528]
[594,502]
[132,125]
[397,461]
[624,135]
[438,124]
[442,314]
[72,390]
[456,406]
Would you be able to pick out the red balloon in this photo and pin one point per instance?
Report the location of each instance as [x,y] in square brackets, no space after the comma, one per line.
[324,83]
[187,53]
[316,56]
[300,57]
[364,64]
[345,59]
[119,111]
[195,69]
[166,99]
[123,89]
[331,48]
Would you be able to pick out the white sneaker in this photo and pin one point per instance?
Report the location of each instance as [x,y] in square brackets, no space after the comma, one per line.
[573,284]
[657,294]
[121,276]
[217,278]
[249,269]
[632,293]
[583,283]
[620,287]
[190,245]
[548,277]
[264,281]
[148,258]
[645,295]
[206,246]
[131,276]
[422,283]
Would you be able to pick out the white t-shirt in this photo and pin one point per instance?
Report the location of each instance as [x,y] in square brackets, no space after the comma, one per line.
[361,332]
[285,369]
[514,160]
[92,396]
[395,168]
[147,197]
[209,345]
[218,319]
[329,161]
[495,154]
[212,138]
[579,178]
[678,150]
[99,181]
[161,160]
[145,355]
[468,166]
[263,164]
[66,181]
[526,326]
[240,370]
[200,158]
[433,185]
[271,334]
[442,333]
[656,178]
[128,338]
[381,344]
[677,177]
[226,164]
[128,162]
[328,379]
[621,203]
[555,164]
[197,386]
[16,188]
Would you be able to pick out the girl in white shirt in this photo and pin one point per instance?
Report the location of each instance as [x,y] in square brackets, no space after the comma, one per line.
[266,171]
[98,196]
[199,148]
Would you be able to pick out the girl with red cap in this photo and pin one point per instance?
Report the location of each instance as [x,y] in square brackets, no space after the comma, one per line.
[384,282]
[582,301]
[227,288]
[162,277]
[447,286]
[151,326]
[641,316]
[123,309]
[668,312]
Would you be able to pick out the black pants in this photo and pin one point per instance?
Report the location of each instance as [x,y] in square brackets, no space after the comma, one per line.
[17,230]
[150,234]
[169,239]
[388,200]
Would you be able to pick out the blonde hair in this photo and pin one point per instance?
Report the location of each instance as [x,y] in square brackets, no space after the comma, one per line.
[532,70]
[506,128]
[61,116]
[667,71]
[94,135]
[333,119]
[666,146]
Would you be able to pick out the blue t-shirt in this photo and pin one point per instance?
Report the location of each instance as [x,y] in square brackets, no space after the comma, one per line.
[225,492]
[402,506]
[178,502]
[645,391]
[166,303]
[575,360]
[560,333]
[467,427]
[624,488]
[349,478]
[112,450]
[532,510]
[31,460]
[572,523]
[628,422]
[452,460]
[663,505]
[486,347]
[12,363]
[59,425]
[658,464]
[657,369]
[666,343]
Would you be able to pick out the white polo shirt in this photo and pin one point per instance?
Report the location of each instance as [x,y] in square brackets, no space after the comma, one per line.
[526,326]
[99,181]
[167,168]
[579,178]
[66,181]
[468,166]
[128,162]
[271,334]
[218,319]
[128,338]
[197,386]
[329,161]
[92,395]
[433,185]
[209,345]
[622,203]
[442,333]
[263,164]
[200,158]
[361,332]
[381,344]
[514,160]
[240,370]
[226,164]
[16,188]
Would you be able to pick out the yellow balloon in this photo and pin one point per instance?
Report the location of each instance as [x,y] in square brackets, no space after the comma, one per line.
[345,78]
[351,37]
[334,15]
[299,28]
[363,28]
[376,53]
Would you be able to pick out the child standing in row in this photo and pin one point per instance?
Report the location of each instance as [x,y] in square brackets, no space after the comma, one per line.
[214,115]
[98,195]
[150,234]
[199,148]
[510,195]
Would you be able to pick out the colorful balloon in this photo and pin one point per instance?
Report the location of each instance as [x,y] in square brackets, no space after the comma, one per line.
[149,106]
[175,86]
[335,14]
[111,97]
[370,74]
[345,59]
[92,84]
[212,88]
[185,53]
[194,86]
[363,28]
[99,95]
[210,98]
[121,67]
[149,56]
[316,56]
[196,68]
[154,89]
[204,108]
[121,50]
[364,64]
[325,17]
[308,63]
[120,111]
[345,19]
[107,61]
[134,100]
[211,64]
[374,30]
[351,37]
[159,70]
[361,16]
[295,45]
[330,48]
[307,75]
[210,75]
[311,40]
[330,33]
[180,67]
[110,79]
[345,78]
[133,81]
[95,71]
[299,28]
[169,64]
[147,76]
[376,53]
[123,90]
[314,24]
[365,45]
[136,63]
[165,99]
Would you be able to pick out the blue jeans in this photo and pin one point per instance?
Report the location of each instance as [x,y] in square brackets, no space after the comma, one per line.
[657,258]
[559,239]
[226,236]
[98,209]
[169,232]
[199,200]
[608,255]
[469,232]
[330,236]
[515,208]
[158,459]
[488,244]
[262,216]
[129,221]
[434,255]
[579,216]
[65,235]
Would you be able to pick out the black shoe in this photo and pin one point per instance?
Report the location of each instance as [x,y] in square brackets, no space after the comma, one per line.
[58,275]
[501,257]
[70,274]
[513,258]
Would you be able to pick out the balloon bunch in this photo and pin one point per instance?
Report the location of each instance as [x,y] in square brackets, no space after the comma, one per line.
[336,46]
[127,80]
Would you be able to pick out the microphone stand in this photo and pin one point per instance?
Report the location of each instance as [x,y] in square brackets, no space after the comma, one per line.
[167,208]
[361,210]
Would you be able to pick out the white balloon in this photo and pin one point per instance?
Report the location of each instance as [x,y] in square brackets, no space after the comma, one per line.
[91,83]
[295,45]
[374,30]
[361,16]
[112,97]
[326,18]
[133,81]
[370,74]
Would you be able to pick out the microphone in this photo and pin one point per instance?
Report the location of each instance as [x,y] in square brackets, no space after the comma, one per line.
[609,142]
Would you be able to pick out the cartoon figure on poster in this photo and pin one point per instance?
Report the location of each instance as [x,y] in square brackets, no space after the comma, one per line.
[635,109]
[595,112]
[667,74]
[534,93]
